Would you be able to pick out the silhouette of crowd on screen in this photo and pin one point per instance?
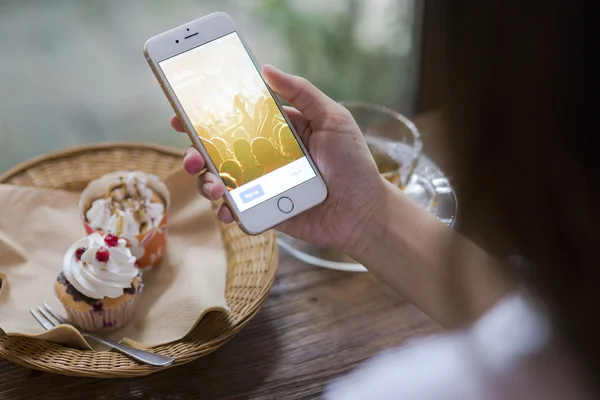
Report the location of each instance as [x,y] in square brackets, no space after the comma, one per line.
[249,143]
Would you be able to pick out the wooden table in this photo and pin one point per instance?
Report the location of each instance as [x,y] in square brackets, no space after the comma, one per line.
[316,326]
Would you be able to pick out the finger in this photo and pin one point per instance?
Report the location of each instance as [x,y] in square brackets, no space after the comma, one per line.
[193,162]
[296,118]
[199,187]
[225,214]
[211,186]
[300,123]
[302,94]
[176,124]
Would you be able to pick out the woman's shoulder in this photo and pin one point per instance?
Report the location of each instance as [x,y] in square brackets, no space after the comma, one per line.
[508,353]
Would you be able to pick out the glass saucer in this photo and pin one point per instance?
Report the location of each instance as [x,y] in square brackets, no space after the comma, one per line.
[428,187]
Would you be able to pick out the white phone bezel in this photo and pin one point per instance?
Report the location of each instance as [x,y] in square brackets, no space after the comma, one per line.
[266,214]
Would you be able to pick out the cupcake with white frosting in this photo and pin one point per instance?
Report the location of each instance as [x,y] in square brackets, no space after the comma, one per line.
[99,284]
[132,205]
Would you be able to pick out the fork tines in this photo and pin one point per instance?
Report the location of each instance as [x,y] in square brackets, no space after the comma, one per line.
[46,316]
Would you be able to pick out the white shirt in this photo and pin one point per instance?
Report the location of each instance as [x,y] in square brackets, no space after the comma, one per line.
[508,354]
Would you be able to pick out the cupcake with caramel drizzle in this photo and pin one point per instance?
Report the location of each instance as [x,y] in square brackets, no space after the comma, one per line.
[128,204]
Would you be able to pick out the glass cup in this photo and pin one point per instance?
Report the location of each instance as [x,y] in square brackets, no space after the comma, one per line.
[393,139]
[396,146]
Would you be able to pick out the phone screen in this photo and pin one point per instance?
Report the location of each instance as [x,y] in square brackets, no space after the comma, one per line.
[237,120]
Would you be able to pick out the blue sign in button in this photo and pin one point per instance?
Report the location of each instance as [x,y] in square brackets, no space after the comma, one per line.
[253,193]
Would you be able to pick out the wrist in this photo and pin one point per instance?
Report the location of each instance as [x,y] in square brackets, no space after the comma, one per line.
[371,226]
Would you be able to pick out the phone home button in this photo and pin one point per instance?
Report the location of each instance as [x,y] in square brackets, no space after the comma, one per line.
[285,205]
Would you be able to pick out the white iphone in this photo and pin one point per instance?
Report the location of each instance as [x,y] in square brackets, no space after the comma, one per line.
[236,122]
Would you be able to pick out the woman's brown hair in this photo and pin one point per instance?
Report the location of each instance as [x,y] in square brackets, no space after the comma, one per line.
[521,101]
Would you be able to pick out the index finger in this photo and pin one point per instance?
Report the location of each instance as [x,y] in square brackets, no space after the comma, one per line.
[303,95]
[176,124]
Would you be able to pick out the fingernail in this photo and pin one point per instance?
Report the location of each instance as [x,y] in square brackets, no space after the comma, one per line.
[207,187]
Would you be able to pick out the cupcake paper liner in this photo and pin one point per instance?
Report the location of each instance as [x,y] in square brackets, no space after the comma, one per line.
[103,320]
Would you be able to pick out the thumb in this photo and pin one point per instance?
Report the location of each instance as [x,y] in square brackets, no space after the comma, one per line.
[302,94]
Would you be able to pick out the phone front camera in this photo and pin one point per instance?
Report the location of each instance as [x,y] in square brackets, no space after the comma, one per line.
[177,41]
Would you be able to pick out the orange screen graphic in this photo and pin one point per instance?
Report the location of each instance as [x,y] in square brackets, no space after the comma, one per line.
[231,110]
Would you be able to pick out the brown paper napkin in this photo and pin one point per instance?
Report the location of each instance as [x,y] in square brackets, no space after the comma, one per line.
[38,225]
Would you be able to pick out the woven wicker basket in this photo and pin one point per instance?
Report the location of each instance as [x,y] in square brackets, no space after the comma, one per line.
[251,266]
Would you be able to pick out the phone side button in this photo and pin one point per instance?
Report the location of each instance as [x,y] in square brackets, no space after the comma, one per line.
[285,205]
[164,90]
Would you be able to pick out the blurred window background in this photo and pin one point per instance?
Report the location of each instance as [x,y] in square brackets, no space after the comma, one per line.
[72,71]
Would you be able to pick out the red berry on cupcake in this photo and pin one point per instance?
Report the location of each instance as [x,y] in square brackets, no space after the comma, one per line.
[102,254]
[111,240]
[79,252]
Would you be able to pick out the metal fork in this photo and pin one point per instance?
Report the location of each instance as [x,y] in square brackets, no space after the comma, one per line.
[49,319]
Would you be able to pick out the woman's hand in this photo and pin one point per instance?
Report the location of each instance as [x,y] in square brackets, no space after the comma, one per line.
[371,220]
[340,152]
